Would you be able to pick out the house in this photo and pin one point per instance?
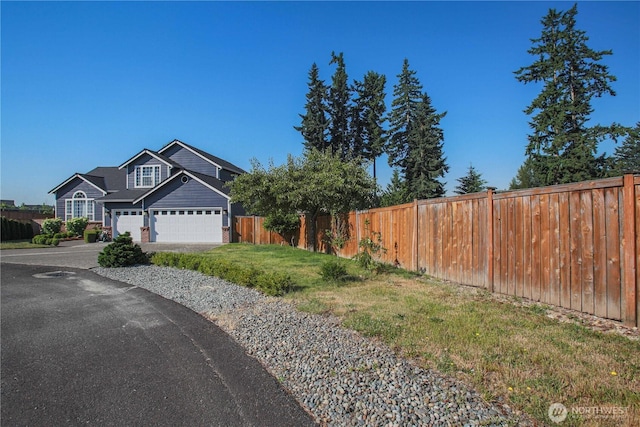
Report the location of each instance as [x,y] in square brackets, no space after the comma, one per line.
[176,194]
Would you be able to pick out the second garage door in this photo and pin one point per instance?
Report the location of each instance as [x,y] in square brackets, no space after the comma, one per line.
[187,225]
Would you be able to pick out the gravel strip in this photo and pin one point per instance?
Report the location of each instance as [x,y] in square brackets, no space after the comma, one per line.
[340,377]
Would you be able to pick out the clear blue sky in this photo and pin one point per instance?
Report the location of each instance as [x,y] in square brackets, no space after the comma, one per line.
[88,84]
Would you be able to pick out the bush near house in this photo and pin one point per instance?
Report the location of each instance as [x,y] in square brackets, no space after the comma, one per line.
[77,225]
[15,230]
[51,226]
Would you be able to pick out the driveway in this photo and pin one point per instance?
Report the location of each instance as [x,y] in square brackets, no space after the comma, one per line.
[78,348]
[78,254]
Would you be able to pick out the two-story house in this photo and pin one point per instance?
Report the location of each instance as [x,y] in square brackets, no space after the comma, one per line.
[176,194]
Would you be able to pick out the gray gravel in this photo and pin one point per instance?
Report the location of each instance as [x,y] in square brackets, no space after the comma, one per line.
[340,377]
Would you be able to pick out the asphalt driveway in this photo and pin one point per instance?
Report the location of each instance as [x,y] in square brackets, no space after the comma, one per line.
[78,348]
[78,254]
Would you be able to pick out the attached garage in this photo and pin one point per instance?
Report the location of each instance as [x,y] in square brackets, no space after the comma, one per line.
[128,220]
[186,225]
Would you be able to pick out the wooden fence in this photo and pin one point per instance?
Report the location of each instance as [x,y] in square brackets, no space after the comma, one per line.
[573,246]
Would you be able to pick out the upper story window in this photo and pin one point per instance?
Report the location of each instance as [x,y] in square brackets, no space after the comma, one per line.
[147,176]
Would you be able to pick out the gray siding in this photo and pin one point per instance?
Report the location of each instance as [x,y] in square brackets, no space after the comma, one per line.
[67,192]
[177,194]
[145,160]
[191,161]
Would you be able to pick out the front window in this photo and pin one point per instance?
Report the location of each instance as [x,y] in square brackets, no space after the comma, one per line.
[147,176]
[79,206]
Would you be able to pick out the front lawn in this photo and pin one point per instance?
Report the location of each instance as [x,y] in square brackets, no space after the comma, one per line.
[21,244]
[508,351]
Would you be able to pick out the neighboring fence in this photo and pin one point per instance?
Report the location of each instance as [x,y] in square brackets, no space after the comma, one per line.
[572,246]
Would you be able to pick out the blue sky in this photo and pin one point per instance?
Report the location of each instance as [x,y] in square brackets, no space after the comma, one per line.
[88,84]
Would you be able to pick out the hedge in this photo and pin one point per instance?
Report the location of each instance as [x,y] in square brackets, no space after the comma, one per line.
[274,284]
[15,230]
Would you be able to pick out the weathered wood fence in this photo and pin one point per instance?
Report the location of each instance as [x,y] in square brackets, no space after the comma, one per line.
[574,246]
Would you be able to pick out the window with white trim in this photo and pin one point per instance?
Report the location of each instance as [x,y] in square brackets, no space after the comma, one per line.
[79,206]
[147,176]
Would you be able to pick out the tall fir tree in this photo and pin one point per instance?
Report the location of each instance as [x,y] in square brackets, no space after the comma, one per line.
[562,147]
[368,117]
[338,109]
[407,94]
[472,182]
[415,143]
[315,123]
[425,161]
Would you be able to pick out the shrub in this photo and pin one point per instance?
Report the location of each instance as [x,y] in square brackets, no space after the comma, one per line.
[77,226]
[274,284]
[333,270]
[122,253]
[90,236]
[51,226]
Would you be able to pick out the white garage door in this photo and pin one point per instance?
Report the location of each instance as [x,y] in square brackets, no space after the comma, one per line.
[128,220]
[187,225]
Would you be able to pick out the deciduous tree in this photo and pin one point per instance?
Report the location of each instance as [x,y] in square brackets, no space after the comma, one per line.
[316,183]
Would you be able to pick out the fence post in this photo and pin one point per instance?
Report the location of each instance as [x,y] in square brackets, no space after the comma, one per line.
[629,302]
[416,235]
[490,191]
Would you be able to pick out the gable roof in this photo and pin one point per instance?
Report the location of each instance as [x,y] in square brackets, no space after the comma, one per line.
[153,154]
[95,181]
[208,181]
[217,161]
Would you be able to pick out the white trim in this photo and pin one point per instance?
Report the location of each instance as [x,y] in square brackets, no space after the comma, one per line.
[150,153]
[81,204]
[77,175]
[167,181]
[182,144]
[139,176]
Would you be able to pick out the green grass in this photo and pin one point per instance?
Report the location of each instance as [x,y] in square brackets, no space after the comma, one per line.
[21,244]
[502,349]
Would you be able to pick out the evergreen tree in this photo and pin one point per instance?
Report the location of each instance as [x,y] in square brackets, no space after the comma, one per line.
[626,158]
[315,123]
[425,163]
[562,147]
[407,94]
[472,182]
[526,176]
[396,192]
[338,109]
[368,117]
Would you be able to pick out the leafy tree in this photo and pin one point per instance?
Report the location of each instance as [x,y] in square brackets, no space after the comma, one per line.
[316,183]
[368,117]
[396,192]
[472,182]
[338,109]
[315,124]
[562,146]
[626,157]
